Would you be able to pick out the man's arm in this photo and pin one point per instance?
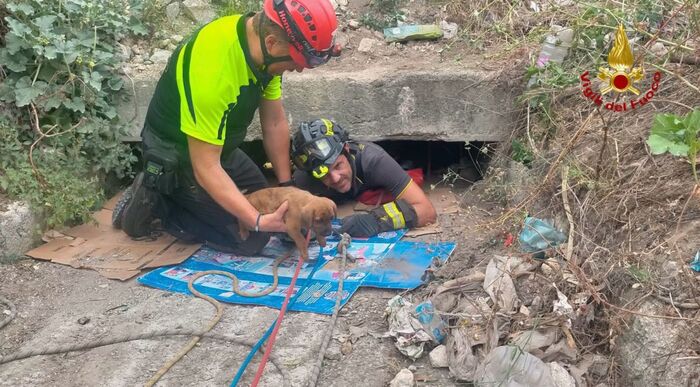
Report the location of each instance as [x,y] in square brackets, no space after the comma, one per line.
[275,130]
[410,209]
[415,196]
[211,176]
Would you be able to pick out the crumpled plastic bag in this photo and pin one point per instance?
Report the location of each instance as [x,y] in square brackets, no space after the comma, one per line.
[695,264]
[413,326]
[539,235]
[509,366]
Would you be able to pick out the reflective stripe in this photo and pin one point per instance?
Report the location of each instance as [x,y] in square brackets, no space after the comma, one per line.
[395,215]
[404,190]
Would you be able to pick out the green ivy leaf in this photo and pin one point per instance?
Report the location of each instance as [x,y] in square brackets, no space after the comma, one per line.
[110,112]
[26,9]
[52,102]
[115,83]
[75,104]
[96,80]
[13,44]
[25,92]
[51,52]
[692,122]
[18,28]
[659,144]
[139,29]
[45,23]
[16,63]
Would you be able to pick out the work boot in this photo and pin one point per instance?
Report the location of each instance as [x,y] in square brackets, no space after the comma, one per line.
[118,211]
[137,214]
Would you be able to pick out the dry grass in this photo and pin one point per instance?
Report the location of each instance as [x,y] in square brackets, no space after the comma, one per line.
[631,212]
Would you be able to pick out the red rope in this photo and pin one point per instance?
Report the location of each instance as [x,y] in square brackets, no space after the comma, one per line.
[283,310]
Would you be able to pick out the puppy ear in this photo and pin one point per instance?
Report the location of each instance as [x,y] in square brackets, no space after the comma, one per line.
[307,215]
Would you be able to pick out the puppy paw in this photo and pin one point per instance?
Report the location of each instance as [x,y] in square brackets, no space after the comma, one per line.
[321,240]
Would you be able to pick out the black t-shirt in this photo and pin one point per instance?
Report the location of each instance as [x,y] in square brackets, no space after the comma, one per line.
[373,168]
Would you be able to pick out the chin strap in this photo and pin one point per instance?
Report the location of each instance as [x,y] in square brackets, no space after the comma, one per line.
[267,58]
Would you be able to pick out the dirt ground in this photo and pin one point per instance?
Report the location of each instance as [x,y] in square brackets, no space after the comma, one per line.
[52,301]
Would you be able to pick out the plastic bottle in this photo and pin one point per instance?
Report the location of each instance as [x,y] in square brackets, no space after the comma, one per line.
[554,48]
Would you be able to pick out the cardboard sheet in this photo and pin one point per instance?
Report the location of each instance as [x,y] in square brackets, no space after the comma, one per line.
[115,255]
[110,252]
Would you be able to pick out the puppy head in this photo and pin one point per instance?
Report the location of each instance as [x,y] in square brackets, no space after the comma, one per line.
[324,210]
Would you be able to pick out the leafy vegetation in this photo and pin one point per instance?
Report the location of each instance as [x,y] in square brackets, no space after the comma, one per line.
[60,131]
[383,14]
[677,136]
[521,153]
[235,7]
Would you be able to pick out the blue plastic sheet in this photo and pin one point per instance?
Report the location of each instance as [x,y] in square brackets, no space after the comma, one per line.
[381,261]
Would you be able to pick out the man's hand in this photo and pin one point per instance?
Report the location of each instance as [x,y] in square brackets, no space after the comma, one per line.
[274,222]
[360,225]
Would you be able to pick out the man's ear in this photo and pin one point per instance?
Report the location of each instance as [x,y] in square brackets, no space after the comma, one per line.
[270,41]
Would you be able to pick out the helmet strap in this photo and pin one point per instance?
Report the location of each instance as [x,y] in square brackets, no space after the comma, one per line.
[351,160]
[267,58]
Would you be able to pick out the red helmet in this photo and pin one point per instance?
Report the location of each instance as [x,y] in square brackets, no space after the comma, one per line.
[310,25]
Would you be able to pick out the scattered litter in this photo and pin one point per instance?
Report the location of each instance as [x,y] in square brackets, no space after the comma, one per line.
[562,306]
[449,30]
[658,49]
[354,24]
[559,352]
[508,241]
[412,32]
[539,235]
[594,365]
[560,376]
[695,265]
[498,283]
[461,358]
[554,49]
[531,340]
[508,366]
[413,327]
[403,379]
[438,357]
[447,294]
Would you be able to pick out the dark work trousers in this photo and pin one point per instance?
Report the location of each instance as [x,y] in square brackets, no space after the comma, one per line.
[191,213]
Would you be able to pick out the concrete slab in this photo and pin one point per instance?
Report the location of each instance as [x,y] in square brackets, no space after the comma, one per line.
[380,102]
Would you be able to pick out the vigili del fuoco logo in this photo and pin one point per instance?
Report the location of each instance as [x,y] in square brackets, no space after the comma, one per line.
[620,77]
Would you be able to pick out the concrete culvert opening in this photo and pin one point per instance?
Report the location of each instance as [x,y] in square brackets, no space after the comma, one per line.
[456,164]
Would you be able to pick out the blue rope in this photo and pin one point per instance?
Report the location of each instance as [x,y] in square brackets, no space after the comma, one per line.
[256,347]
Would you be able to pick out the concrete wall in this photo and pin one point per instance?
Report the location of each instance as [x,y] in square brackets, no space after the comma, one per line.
[376,103]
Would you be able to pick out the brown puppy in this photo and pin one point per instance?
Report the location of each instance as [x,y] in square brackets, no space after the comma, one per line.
[306,211]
